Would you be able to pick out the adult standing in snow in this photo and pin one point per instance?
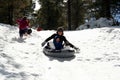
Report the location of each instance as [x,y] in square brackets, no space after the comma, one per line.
[23,26]
[58,39]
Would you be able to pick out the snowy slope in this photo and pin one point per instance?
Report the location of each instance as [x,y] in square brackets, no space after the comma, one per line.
[99,58]
[93,23]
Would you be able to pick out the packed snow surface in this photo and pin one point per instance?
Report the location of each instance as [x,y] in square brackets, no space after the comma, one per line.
[98,59]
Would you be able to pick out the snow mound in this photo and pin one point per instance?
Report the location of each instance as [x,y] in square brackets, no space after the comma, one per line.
[102,22]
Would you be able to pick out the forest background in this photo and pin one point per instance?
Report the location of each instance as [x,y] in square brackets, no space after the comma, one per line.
[55,13]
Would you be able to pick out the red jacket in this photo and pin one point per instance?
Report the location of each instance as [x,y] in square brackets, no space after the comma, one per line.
[23,24]
[39,29]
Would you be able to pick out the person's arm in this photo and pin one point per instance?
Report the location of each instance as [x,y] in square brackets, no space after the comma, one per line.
[49,38]
[28,23]
[68,43]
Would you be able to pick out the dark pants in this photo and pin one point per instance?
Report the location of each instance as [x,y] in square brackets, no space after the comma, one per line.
[58,45]
[22,32]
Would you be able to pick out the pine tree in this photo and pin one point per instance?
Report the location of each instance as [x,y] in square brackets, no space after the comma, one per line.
[106,8]
[115,7]
[50,14]
[77,13]
[10,10]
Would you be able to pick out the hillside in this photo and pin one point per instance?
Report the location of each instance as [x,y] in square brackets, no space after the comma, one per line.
[99,57]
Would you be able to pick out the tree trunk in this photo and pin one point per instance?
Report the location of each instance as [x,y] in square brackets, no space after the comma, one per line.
[10,13]
[69,14]
[106,8]
[76,15]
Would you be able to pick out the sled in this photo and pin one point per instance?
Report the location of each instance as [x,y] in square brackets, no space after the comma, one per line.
[29,31]
[64,53]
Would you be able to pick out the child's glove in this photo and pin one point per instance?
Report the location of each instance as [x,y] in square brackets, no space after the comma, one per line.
[77,49]
[43,43]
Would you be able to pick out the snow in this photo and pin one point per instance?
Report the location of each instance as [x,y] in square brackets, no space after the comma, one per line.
[37,5]
[99,57]
[93,23]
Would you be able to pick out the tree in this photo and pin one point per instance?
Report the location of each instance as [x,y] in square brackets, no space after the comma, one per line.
[50,14]
[3,11]
[77,13]
[12,9]
[115,7]
[74,12]
[69,14]
[105,8]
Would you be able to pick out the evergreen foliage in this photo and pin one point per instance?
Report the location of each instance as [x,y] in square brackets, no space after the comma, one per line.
[104,8]
[56,13]
[10,10]
[77,13]
[50,14]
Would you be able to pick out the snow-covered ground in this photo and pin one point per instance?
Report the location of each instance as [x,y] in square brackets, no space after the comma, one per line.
[93,23]
[99,57]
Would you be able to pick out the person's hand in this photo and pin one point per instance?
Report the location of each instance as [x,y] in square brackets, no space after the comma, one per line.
[43,43]
[77,49]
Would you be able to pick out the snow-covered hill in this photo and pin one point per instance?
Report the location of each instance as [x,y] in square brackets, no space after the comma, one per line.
[93,23]
[99,57]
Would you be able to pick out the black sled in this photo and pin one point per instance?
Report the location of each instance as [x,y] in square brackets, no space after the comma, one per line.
[63,53]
